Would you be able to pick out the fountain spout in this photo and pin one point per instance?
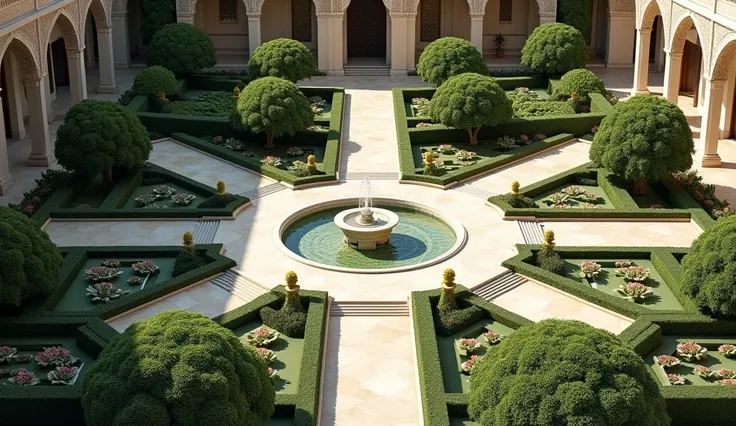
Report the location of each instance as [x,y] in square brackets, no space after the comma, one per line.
[365,203]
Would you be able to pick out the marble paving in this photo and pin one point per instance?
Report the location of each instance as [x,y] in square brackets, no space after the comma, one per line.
[626,234]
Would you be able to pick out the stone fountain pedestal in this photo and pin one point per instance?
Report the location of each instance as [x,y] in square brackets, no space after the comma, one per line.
[364,232]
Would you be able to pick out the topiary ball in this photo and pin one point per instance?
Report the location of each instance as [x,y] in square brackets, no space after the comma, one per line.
[580,81]
[283,58]
[448,57]
[709,269]
[181,48]
[29,262]
[562,372]
[154,80]
[551,261]
[177,368]
[555,49]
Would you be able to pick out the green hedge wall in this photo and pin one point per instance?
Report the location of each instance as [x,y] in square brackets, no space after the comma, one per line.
[305,403]
[437,405]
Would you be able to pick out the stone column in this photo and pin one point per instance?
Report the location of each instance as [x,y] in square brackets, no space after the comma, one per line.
[658,50]
[40,141]
[621,40]
[121,46]
[399,40]
[546,18]
[254,32]
[107,68]
[476,32]
[709,130]
[6,179]
[185,18]
[77,76]
[673,66]
[641,67]
[14,95]
[330,43]
[411,41]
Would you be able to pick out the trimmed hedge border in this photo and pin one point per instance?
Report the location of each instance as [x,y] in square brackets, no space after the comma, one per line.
[304,404]
[625,206]
[21,404]
[437,405]
[58,205]
[76,256]
[662,258]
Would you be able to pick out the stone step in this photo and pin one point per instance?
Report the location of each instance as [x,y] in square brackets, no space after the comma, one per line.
[367,70]
[370,175]
[531,231]
[263,191]
[474,191]
[205,231]
[368,309]
[239,285]
[499,285]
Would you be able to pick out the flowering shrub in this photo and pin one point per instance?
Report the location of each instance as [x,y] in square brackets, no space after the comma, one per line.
[63,375]
[675,379]
[24,378]
[634,291]
[667,361]
[182,199]
[726,382]
[46,185]
[470,364]
[558,198]
[703,193]
[135,280]
[704,372]
[633,273]
[218,140]
[446,149]
[294,151]
[55,356]
[467,345]
[492,337]
[145,267]
[270,160]
[507,142]
[272,372]
[10,355]
[573,191]
[261,337]
[266,354]
[728,350]
[726,374]
[464,155]
[102,273]
[105,292]
[164,191]
[624,263]
[110,263]
[690,351]
[525,139]
[146,199]
[420,106]
[589,269]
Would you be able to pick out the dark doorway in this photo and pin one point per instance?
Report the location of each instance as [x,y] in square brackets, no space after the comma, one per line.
[61,65]
[653,47]
[366,29]
[733,114]
[692,57]
[6,104]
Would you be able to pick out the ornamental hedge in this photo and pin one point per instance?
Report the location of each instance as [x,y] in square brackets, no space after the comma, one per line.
[448,57]
[559,372]
[29,262]
[284,58]
[155,80]
[182,49]
[555,48]
[177,367]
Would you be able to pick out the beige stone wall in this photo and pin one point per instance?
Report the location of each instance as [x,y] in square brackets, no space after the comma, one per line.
[228,38]
[515,32]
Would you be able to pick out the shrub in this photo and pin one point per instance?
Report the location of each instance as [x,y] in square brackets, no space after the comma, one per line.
[46,185]
[562,372]
[29,262]
[126,97]
[551,261]
[283,58]
[544,109]
[273,106]
[555,49]
[703,193]
[182,49]
[520,201]
[448,57]
[575,13]
[469,101]
[97,136]
[580,81]
[155,14]
[187,260]
[291,319]
[177,367]
[217,202]
[709,269]
[449,317]
[643,139]
[155,80]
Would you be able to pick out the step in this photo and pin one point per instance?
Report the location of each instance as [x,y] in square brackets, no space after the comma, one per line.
[369,309]
[531,231]
[238,285]
[474,191]
[500,285]
[205,231]
[261,192]
[367,70]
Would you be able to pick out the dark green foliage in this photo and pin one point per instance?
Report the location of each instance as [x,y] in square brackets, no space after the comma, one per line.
[283,58]
[217,201]
[180,368]
[154,80]
[550,261]
[286,320]
[214,104]
[586,181]
[29,262]
[555,49]
[274,106]
[644,138]
[449,57]
[449,321]
[126,97]
[576,13]
[97,136]
[46,185]
[544,109]
[510,72]
[709,270]
[469,101]
[182,49]
[520,201]
[187,260]
[580,81]
[155,135]
[561,372]
[155,14]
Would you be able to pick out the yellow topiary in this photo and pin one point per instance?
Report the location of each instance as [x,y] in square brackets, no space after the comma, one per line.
[428,158]
[188,239]
[236,92]
[549,239]
[515,187]
[448,277]
[312,164]
[221,187]
[291,279]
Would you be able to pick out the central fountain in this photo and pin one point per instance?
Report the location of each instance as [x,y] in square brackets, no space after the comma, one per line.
[366,227]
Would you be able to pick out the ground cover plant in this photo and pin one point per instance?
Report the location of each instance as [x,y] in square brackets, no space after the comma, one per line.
[448,57]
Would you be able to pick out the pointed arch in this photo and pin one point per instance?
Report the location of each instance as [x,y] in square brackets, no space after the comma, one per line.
[22,49]
[682,25]
[69,31]
[725,53]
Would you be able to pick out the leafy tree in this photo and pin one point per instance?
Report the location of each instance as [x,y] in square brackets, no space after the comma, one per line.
[469,101]
[97,136]
[580,81]
[562,372]
[273,106]
[154,15]
[555,49]
[177,368]
[29,262]
[709,270]
[284,58]
[182,49]
[644,139]
[576,13]
[447,57]
[155,80]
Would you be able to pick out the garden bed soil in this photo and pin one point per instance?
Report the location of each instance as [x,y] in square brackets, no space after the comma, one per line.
[603,202]
[714,360]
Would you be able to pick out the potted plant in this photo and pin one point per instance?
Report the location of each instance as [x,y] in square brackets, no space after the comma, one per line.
[499,40]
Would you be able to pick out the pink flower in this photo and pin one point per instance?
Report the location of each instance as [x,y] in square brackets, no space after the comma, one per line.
[524,138]
[217,139]
[29,209]
[708,203]
[698,195]
[36,199]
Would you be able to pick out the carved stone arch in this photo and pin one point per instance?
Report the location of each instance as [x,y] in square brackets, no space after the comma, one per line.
[651,10]
[724,57]
[101,11]
[681,25]
[23,49]
[186,7]
[68,28]
[477,7]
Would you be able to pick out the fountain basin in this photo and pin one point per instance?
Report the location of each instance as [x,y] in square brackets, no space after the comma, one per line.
[366,236]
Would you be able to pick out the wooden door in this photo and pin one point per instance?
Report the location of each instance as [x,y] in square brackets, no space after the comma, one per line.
[692,58]
[366,29]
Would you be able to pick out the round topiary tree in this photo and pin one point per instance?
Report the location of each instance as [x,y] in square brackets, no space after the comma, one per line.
[562,372]
[447,57]
[177,368]
[469,101]
[29,262]
[181,48]
[155,80]
[580,81]
[284,58]
[97,136]
[555,49]
[643,139]
[709,270]
[575,13]
[154,15]
[273,106]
